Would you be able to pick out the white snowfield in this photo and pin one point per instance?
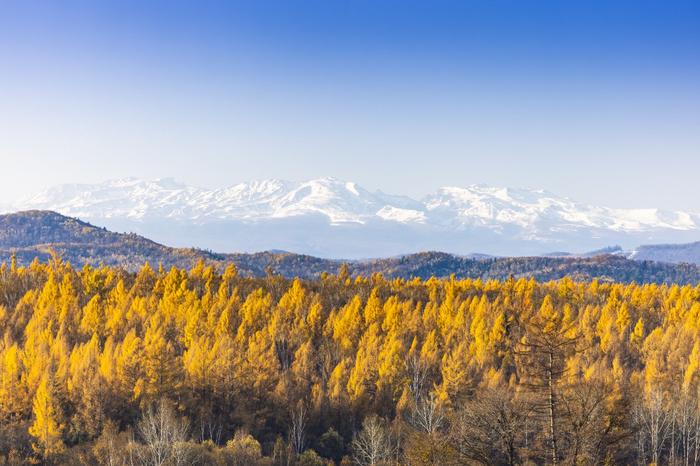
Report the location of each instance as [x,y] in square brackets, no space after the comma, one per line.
[475,215]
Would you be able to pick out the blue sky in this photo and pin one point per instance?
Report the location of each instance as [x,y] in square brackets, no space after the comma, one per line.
[597,100]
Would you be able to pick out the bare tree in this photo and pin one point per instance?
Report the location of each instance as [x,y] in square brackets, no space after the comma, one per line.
[427,416]
[372,446]
[164,437]
[491,428]
[669,427]
[210,429]
[297,430]
[685,415]
[654,420]
[418,372]
[590,431]
[113,448]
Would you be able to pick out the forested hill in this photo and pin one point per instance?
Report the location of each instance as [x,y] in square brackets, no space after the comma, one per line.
[36,233]
[605,267]
[689,252]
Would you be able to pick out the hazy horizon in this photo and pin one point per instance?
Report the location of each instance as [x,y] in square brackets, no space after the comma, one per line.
[597,101]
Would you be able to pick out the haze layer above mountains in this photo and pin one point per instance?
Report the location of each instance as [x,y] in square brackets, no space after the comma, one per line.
[328,217]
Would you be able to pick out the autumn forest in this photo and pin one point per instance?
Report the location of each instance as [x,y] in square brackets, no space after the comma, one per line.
[205,366]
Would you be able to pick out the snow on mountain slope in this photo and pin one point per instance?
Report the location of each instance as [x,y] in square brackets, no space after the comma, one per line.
[339,201]
[125,198]
[672,253]
[362,223]
[539,211]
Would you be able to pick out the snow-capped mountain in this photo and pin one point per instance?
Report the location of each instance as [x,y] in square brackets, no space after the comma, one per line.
[539,212]
[131,198]
[335,218]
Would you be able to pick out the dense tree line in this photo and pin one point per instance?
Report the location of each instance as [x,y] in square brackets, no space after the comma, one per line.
[103,366]
[605,267]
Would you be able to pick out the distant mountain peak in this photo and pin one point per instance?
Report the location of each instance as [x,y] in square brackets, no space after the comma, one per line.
[496,220]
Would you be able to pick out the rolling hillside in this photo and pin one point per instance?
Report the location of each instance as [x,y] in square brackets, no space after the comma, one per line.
[36,233]
[33,234]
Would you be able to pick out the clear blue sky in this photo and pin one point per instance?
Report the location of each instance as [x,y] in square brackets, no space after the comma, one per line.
[597,100]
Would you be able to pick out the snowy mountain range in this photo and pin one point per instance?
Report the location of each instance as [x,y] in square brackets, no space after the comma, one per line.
[328,217]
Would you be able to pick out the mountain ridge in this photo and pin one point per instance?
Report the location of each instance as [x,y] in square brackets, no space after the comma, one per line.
[329,217]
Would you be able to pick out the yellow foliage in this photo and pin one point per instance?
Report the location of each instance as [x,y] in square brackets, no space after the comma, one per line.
[47,427]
